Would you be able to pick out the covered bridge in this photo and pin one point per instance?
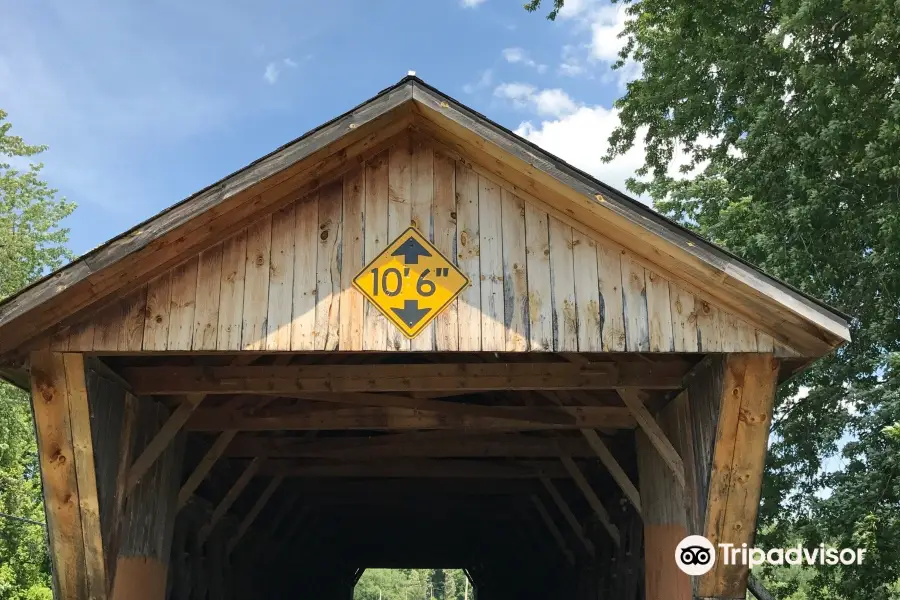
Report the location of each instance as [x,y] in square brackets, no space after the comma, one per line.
[273,384]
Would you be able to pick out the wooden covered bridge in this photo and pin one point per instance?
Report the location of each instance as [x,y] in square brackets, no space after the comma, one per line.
[409,338]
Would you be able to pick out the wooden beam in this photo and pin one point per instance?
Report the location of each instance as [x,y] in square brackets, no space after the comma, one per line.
[367,418]
[746,395]
[535,415]
[206,463]
[83,448]
[425,469]
[665,523]
[254,511]
[295,379]
[232,494]
[159,443]
[126,448]
[52,416]
[654,432]
[464,445]
[612,465]
[569,515]
[589,494]
[552,528]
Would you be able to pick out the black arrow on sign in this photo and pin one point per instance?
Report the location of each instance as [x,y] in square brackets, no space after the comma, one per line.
[411,313]
[411,250]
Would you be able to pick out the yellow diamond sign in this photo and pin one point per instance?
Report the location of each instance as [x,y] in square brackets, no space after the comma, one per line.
[410,282]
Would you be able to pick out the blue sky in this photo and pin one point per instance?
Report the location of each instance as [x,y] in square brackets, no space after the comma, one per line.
[144,103]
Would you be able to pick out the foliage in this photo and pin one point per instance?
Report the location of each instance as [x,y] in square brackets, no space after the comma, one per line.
[413,584]
[789,114]
[30,243]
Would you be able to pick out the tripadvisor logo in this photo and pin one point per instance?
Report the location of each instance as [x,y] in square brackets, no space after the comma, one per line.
[696,555]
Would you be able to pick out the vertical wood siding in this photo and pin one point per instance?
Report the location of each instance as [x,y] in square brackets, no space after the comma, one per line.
[539,281]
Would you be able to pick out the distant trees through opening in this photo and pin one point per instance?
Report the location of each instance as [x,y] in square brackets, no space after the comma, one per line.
[414,584]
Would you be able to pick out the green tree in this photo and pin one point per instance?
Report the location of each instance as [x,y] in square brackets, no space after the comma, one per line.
[31,242]
[789,111]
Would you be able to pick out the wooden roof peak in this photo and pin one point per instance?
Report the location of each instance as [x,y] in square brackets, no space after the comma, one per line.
[803,322]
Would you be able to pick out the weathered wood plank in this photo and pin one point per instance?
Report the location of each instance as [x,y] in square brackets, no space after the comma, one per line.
[491,265]
[468,252]
[735,481]
[353,255]
[306,248]
[421,217]
[206,309]
[106,328]
[659,313]
[50,402]
[587,293]
[257,507]
[515,273]
[745,337]
[609,272]
[709,338]
[684,319]
[399,214]
[375,334]
[182,300]
[446,328]
[256,284]
[281,280]
[540,302]
[83,452]
[634,288]
[562,287]
[328,267]
[233,492]
[156,324]
[231,296]
[764,342]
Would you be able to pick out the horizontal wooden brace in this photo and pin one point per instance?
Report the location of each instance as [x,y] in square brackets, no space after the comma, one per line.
[401,378]
[375,448]
[515,418]
[425,469]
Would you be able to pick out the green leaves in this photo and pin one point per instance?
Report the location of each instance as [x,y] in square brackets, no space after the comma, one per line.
[31,242]
[789,112]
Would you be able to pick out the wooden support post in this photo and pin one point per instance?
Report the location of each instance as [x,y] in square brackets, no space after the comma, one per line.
[149,518]
[665,524]
[553,529]
[569,515]
[589,494]
[612,465]
[65,447]
[159,443]
[744,389]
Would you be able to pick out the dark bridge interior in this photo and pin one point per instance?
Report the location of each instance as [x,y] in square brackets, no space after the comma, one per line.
[292,493]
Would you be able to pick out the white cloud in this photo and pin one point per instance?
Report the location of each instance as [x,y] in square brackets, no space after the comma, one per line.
[518,55]
[607,23]
[484,81]
[472,3]
[581,139]
[290,63]
[546,103]
[272,73]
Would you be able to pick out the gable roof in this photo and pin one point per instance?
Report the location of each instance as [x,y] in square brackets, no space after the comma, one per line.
[792,317]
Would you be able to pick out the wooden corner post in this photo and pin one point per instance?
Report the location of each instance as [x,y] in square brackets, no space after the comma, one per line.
[719,426]
[65,447]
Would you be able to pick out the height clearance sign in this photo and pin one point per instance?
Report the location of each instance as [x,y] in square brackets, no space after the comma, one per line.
[410,282]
